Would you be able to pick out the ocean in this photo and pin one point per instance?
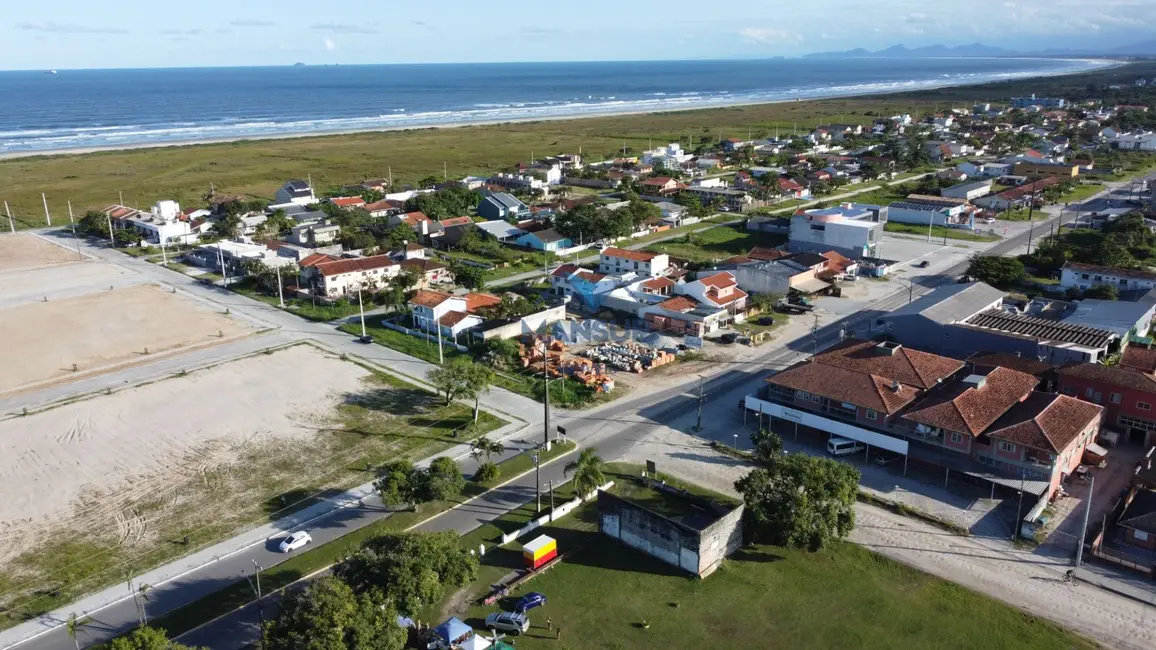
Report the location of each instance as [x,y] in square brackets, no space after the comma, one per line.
[83,109]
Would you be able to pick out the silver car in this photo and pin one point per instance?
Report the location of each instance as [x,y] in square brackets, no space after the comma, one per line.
[509,622]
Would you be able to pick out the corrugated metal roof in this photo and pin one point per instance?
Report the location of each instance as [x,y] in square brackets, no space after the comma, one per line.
[1040,328]
[952,303]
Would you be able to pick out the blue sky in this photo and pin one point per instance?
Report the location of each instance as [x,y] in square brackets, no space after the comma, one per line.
[146,33]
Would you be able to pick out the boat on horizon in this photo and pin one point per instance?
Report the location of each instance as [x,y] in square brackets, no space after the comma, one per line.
[50,72]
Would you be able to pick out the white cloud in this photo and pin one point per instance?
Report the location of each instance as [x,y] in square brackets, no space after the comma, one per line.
[250,22]
[67,28]
[770,35]
[329,44]
[180,32]
[343,28]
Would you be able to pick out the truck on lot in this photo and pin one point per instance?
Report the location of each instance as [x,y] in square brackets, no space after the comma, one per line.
[791,307]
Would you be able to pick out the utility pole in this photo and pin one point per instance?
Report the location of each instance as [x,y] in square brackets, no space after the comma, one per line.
[260,602]
[537,481]
[701,397]
[72,222]
[1084,530]
[360,308]
[438,333]
[280,294]
[46,215]
[11,223]
[545,395]
[120,194]
[815,337]
[390,169]
[1019,508]
[551,496]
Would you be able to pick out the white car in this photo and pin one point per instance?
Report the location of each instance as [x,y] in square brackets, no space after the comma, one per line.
[989,220]
[295,541]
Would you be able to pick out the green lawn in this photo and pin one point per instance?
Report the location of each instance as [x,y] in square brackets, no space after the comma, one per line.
[937,232]
[604,595]
[414,346]
[309,561]
[1081,192]
[306,309]
[716,243]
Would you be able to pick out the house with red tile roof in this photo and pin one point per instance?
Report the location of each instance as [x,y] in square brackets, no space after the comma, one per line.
[434,311]
[337,278]
[618,261]
[348,202]
[720,290]
[681,316]
[428,272]
[581,284]
[660,186]
[1128,396]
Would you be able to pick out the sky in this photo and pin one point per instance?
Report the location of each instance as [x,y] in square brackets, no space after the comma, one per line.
[68,34]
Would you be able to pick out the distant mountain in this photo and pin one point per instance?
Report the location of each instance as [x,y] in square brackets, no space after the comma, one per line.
[904,52]
[1146,48]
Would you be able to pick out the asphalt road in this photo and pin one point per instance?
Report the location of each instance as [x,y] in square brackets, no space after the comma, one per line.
[612,430]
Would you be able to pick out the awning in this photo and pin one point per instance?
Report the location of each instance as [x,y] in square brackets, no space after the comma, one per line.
[1096,450]
[810,285]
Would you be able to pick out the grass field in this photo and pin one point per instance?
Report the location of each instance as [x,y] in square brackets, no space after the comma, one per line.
[605,595]
[716,243]
[258,168]
[306,309]
[938,232]
[350,418]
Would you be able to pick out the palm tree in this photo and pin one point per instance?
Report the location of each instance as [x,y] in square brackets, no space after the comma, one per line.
[74,625]
[589,471]
[483,447]
[142,590]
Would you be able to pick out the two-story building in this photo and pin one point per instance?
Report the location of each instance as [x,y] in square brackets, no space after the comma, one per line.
[501,206]
[617,261]
[448,314]
[1046,168]
[660,186]
[295,192]
[719,290]
[1084,276]
[1127,395]
[338,278]
[853,231]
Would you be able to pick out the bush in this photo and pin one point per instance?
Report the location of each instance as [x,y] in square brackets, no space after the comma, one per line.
[487,472]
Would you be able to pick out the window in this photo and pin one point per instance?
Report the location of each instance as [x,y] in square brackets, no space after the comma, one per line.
[1140,535]
[1136,423]
[1114,398]
[1097,397]
[816,399]
[957,437]
[1006,446]
[871,414]
[1068,390]
[1088,392]
[1144,406]
[1083,276]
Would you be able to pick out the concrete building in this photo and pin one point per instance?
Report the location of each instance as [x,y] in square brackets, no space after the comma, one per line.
[967,191]
[1085,276]
[448,314]
[732,200]
[164,223]
[695,539]
[1042,102]
[960,319]
[314,234]
[296,192]
[518,182]
[344,277]
[617,261]
[849,229]
[501,206]
[1127,395]
[937,210]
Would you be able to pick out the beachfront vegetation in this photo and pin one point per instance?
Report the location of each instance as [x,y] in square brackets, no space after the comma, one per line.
[257,168]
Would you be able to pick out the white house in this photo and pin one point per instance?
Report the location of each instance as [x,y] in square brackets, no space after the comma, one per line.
[968,191]
[617,261]
[295,191]
[717,291]
[343,277]
[1085,276]
[314,234]
[448,314]
[163,224]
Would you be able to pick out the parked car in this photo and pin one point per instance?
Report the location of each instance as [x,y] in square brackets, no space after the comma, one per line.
[766,321]
[883,460]
[365,339]
[294,541]
[923,264]
[508,622]
[530,601]
[850,277]
[728,338]
[989,219]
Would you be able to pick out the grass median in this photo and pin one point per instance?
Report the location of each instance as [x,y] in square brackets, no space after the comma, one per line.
[315,559]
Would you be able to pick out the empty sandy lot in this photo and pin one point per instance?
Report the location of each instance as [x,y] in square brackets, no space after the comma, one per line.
[24,251]
[43,339]
[85,465]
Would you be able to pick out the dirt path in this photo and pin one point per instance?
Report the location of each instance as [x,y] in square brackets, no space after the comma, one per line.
[993,567]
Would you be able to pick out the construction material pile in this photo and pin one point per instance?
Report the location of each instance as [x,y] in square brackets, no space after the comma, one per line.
[628,357]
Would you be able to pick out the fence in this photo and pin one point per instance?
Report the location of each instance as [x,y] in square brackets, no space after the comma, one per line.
[420,334]
[554,515]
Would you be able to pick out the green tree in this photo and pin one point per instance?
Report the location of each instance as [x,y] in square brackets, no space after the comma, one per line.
[399,483]
[500,354]
[74,626]
[1102,292]
[429,182]
[443,480]
[589,471]
[327,615]
[995,270]
[468,276]
[278,224]
[227,226]
[94,223]
[147,638]
[409,569]
[799,501]
[357,239]
[398,236]
[482,448]
[768,445]
[459,378]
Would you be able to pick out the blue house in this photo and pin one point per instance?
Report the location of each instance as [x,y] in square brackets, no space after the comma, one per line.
[544,240]
[501,206]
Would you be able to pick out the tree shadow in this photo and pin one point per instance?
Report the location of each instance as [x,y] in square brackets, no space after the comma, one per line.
[296,499]
[613,556]
[395,401]
[753,554]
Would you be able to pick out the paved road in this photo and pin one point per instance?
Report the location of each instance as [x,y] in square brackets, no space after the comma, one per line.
[612,429]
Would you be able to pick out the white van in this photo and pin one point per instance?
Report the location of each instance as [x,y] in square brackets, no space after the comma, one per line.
[842,446]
